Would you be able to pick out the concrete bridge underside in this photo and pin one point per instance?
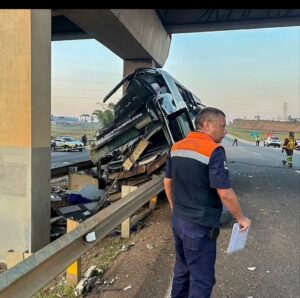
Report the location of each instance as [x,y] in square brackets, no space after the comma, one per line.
[140,37]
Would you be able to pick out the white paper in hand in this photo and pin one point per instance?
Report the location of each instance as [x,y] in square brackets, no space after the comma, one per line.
[237,240]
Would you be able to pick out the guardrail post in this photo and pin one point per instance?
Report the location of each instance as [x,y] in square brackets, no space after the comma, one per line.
[14,258]
[73,272]
[125,226]
[152,203]
[71,172]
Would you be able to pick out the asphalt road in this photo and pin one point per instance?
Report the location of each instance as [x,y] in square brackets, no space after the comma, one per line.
[270,195]
[59,158]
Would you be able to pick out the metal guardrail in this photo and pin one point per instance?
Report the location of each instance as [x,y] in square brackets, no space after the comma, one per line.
[64,170]
[29,276]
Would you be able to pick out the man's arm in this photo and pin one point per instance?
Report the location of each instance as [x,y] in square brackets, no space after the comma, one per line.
[168,184]
[285,143]
[230,200]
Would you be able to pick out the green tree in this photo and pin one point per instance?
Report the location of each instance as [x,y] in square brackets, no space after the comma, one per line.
[104,117]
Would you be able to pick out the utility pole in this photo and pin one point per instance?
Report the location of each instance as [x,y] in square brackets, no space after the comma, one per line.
[284,110]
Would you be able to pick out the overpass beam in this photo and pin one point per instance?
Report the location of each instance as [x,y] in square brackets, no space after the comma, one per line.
[25,109]
[132,34]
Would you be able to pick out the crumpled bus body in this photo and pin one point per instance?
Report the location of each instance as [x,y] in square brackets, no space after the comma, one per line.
[154,112]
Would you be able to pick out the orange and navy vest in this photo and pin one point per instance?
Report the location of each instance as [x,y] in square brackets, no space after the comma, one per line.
[193,198]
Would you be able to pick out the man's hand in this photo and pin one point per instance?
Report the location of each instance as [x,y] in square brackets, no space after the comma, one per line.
[245,223]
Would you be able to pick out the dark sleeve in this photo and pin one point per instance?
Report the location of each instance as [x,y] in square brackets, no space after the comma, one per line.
[168,170]
[218,169]
[286,141]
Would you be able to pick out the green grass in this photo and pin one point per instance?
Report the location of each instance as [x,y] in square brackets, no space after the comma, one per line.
[245,135]
[76,131]
[102,256]
[59,291]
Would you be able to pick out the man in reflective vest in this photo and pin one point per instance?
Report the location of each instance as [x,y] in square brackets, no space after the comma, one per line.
[257,139]
[288,146]
[196,184]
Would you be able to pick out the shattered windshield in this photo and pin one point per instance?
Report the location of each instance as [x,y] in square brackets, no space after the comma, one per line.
[135,98]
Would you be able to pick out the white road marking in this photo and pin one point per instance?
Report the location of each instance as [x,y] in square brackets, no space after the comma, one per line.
[257,153]
[298,171]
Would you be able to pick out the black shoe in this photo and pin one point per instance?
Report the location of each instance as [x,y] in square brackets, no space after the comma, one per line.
[284,162]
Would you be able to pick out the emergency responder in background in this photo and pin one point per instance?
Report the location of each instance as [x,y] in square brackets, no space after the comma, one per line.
[288,146]
[196,184]
[257,140]
[84,140]
[235,141]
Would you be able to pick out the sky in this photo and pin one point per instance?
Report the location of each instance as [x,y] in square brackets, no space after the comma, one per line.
[245,73]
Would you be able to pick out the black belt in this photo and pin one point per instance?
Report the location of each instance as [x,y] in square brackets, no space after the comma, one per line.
[213,233]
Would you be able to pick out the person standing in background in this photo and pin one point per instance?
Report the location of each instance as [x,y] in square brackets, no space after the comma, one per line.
[288,146]
[235,141]
[84,140]
[257,140]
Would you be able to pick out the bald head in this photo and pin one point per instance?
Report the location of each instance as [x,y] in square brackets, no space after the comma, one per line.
[207,114]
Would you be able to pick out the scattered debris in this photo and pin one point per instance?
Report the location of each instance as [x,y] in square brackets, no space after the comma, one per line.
[126,246]
[55,198]
[86,213]
[88,280]
[69,209]
[90,192]
[128,288]
[109,283]
[149,246]
[251,268]
[90,237]
[112,289]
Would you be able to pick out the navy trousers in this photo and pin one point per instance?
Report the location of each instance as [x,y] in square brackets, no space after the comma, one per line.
[194,272]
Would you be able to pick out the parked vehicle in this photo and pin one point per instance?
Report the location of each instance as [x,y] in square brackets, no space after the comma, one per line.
[298,147]
[272,141]
[67,143]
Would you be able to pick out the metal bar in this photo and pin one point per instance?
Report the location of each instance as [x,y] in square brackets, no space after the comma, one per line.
[29,276]
[153,166]
[126,174]
[64,170]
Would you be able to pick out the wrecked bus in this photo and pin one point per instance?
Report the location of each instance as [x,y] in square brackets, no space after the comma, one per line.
[154,112]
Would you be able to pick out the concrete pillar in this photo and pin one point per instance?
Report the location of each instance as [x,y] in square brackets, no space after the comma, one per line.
[25,110]
[131,65]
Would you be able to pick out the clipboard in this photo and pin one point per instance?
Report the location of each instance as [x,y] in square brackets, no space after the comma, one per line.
[237,240]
